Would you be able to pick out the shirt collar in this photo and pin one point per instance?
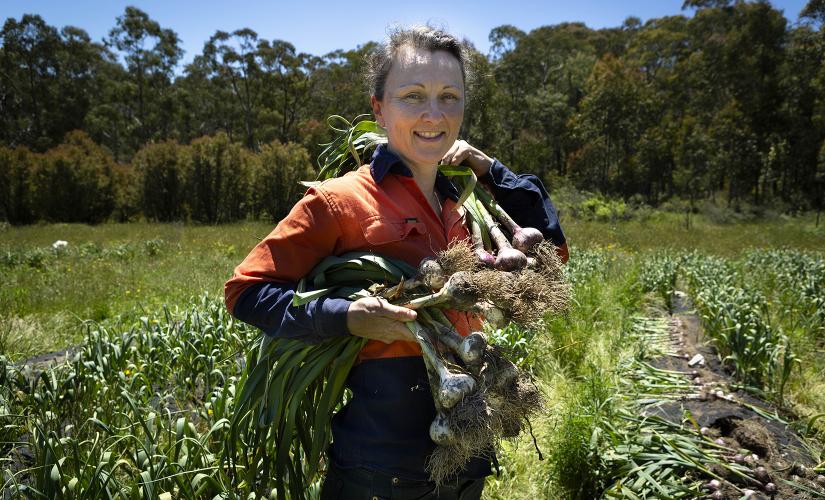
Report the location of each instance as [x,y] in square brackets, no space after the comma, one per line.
[385,161]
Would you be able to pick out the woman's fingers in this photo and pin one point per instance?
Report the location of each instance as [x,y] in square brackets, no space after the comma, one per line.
[377,319]
[475,158]
[456,154]
[459,156]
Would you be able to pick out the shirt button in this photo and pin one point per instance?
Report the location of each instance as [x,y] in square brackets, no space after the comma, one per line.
[395,480]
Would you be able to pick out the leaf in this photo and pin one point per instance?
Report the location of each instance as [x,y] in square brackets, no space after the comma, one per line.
[453,170]
[309,372]
[329,400]
[100,424]
[468,189]
[301,298]
[55,474]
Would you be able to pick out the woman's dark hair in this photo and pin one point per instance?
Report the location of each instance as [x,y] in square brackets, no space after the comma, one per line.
[379,62]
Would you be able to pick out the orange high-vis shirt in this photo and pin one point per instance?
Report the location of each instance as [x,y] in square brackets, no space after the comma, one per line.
[355,213]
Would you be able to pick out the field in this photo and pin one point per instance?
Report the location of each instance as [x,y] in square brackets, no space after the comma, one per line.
[139,406]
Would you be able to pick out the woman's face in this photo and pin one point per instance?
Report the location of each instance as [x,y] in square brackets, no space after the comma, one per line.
[423,105]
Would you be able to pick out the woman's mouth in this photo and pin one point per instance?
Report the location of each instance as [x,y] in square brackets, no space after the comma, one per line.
[429,136]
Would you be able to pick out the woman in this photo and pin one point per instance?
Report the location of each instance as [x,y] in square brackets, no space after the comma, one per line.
[399,206]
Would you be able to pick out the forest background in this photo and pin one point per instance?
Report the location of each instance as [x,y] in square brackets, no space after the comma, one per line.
[722,112]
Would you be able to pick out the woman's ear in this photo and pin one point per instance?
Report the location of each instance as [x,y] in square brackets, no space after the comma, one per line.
[377,111]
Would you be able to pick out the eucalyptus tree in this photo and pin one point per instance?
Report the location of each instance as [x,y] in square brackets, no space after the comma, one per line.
[795,149]
[692,177]
[736,55]
[539,79]
[614,114]
[151,54]
[338,88]
[659,50]
[289,85]
[480,126]
[82,64]
[814,10]
[734,152]
[232,63]
[29,68]
[504,41]
[207,104]
[814,13]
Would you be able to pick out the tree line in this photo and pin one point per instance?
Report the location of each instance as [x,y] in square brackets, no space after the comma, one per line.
[728,104]
[210,180]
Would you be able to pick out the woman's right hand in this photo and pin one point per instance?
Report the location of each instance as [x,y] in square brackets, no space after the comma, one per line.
[375,318]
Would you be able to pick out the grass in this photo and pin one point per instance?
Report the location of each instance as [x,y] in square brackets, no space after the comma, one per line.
[666,231]
[108,273]
[579,353]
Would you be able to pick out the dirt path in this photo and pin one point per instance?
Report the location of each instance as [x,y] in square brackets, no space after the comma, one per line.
[736,418]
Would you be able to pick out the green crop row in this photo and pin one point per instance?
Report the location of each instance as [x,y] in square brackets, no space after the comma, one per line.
[132,413]
[750,306]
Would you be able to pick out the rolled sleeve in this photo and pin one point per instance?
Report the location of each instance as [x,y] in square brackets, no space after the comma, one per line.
[331,316]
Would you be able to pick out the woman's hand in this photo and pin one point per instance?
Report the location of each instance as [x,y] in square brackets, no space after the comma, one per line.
[461,151]
[375,318]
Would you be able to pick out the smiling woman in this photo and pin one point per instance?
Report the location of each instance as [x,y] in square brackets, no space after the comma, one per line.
[417,86]
[422,107]
[399,206]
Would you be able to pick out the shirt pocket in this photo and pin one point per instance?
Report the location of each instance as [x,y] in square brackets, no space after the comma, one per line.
[381,230]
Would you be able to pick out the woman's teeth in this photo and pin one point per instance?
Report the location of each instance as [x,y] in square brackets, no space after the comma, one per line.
[429,135]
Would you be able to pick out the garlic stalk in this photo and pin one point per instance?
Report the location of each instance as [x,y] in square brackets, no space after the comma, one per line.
[451,387]
[458,293]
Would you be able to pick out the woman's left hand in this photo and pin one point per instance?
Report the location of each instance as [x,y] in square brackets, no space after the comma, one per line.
[461,151]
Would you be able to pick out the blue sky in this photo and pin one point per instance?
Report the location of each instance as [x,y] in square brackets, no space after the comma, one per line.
[320,26]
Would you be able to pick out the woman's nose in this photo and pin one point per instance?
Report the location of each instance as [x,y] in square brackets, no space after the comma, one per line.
[433,111]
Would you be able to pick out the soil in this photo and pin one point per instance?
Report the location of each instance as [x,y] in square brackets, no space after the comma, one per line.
[776,446]
[44,361]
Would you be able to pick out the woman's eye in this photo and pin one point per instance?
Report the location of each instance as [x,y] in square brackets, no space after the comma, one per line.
[413,97]
[450,97]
